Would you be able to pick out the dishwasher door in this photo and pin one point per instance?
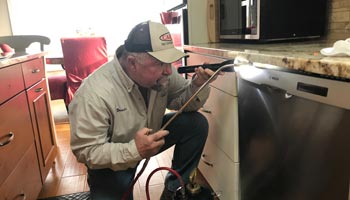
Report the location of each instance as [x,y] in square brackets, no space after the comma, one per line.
[294,136]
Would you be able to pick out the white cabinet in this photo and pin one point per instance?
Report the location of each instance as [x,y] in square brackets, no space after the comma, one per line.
[220,158]
[220,172]
[221,112]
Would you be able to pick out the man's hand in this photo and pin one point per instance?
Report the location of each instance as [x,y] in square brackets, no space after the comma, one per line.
[202,75]
[148,144]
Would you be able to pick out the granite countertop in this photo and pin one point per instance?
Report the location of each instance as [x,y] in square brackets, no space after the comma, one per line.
[303,56]
[20,57]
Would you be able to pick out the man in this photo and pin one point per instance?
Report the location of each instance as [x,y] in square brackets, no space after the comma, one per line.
[117,113]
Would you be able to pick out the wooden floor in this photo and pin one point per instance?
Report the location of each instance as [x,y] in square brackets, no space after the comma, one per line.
[68,176]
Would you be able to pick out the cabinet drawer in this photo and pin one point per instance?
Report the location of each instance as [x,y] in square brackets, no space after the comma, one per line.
[221,110]
[15,121]
[226,82]
[11,82]
[198,59]
[24,182]
[33,71]
[220,172]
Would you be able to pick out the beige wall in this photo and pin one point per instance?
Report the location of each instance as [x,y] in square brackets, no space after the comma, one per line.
[4,19]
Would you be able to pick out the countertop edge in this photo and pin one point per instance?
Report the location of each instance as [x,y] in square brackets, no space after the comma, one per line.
[19,58]
[308,61]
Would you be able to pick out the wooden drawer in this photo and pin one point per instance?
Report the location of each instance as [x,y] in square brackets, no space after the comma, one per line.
[11,82]
[24,182]
[33,71]
[221,110]
[15,120]
[220,172]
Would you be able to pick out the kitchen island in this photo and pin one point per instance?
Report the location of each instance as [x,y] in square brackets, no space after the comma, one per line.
[27,133]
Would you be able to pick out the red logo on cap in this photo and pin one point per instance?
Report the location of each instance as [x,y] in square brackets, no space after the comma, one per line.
[165,37]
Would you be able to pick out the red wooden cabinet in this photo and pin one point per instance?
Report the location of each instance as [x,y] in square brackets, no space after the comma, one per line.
[27,135]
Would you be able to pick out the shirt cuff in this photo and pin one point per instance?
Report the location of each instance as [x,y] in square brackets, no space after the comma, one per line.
[202,95]
[133,152]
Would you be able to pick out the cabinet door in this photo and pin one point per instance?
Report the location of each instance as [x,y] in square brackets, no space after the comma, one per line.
[43,126]
[24,181]
[220,172]
[16,133]
[221,111]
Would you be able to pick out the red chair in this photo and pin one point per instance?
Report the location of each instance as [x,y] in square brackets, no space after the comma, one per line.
[57,85]
[81,56]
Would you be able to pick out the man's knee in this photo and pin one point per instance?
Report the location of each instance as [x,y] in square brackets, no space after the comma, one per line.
[188,125]
[198,123]
[199,120]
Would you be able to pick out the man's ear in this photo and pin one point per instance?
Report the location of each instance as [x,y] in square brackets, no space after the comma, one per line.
[131,60]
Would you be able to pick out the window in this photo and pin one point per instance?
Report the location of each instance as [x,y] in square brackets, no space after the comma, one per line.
[112,19]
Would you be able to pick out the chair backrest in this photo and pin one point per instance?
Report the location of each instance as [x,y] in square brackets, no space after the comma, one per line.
[81,57]
[20,42]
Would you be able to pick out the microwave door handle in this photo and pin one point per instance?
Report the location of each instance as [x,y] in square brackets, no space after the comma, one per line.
[247,3]
[250,5]
[211,20]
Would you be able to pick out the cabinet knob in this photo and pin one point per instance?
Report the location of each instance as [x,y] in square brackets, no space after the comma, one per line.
[39,89]
[217,193]
[205,161]
[9,137]
[205,110]
[35,71]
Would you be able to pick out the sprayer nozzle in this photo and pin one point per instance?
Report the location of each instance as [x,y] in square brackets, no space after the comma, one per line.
[214,67]
[181,194]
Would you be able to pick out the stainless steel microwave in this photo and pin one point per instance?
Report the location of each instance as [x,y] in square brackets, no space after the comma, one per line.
[272,19]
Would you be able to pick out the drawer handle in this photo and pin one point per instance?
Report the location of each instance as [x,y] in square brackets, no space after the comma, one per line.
[23,196]
[217,193]
[35,71]
[205,110]
[9,137]
[206,161]
[39,89]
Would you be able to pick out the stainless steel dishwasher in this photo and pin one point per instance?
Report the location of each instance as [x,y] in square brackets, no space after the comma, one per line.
[294,135]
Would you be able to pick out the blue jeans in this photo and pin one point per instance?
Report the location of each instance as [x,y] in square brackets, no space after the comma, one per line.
[188,132]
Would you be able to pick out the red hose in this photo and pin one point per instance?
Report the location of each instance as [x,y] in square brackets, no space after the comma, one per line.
[127,193]
[162,168]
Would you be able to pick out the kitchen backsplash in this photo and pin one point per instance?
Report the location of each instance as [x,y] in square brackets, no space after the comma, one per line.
[338,27]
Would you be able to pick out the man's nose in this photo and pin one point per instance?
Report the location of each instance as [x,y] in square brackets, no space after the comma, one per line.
[167,69]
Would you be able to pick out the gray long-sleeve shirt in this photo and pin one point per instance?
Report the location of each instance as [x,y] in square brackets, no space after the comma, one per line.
[108,109]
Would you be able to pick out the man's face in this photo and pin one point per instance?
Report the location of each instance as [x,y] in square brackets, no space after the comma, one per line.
[151,73]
